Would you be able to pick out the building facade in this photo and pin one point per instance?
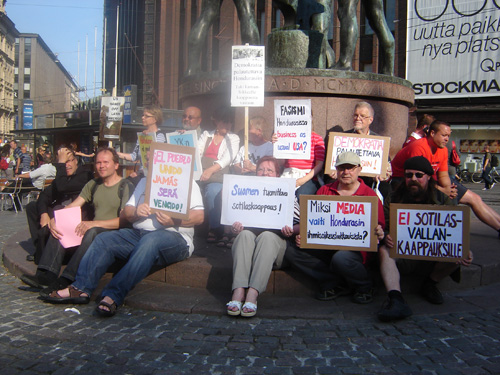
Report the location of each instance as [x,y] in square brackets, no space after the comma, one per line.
[8,35]
[153,53]
[41,83]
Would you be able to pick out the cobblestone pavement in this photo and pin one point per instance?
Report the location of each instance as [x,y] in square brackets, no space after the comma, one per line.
[38,338]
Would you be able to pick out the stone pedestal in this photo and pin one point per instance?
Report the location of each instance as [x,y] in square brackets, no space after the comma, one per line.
[295,49]
[333,95]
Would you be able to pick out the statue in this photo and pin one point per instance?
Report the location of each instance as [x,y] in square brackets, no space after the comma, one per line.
[210,10]
[349,34]
[310,15]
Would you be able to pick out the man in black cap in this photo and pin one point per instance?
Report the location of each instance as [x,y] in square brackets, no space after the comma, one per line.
[418,187]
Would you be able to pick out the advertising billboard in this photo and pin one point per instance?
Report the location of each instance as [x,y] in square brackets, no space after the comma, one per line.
[453,47]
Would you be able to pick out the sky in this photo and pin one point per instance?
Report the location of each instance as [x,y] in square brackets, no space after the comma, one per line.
[63,24]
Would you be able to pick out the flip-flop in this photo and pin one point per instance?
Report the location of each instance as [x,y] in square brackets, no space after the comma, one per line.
[252,307]
[233,304]
[106,313]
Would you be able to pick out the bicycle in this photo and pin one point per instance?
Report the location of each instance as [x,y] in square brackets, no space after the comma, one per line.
[463,175]
[476,176]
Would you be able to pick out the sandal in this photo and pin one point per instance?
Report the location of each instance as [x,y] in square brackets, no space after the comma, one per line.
[252,307]
[75,297]
[223,241]
[106,313]
[211,237]
[233,304]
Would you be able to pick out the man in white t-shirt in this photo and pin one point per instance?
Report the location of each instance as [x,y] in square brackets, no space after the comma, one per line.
[155,239]
[258,147]
[42,173]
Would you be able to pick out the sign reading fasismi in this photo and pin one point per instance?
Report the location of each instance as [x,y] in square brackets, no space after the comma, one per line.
[453,48]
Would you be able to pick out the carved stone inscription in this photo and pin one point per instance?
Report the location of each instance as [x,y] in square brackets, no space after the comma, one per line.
[343,86]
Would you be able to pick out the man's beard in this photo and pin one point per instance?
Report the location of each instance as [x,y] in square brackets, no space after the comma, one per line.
[415,193]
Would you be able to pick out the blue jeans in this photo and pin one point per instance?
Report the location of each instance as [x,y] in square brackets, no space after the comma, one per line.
[213,201]
[141,250]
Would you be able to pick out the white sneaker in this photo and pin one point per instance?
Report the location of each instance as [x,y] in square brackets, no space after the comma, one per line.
[485,189]
[491,187]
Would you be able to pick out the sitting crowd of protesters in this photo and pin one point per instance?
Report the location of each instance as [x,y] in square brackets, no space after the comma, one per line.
[118,226]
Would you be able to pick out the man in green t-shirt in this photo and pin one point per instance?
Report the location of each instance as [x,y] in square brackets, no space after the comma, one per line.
[107,195]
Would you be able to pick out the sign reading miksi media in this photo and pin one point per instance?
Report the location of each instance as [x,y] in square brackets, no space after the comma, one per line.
[453,48]
[248,76]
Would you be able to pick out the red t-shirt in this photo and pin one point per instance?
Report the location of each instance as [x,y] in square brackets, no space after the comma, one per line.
[317,154]
[363,191]
[420,147]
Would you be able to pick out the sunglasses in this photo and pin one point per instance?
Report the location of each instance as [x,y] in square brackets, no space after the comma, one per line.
[417,174]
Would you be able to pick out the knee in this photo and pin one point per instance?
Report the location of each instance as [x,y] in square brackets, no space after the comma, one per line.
[346,260]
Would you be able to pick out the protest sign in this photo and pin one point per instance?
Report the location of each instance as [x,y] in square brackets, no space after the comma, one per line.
[334,222]
[145,141]
[292,126]
[189,139]
[373,150]
[111,117]
[248,76]
[67,219]
[170,175]
[258,202]
[430,232]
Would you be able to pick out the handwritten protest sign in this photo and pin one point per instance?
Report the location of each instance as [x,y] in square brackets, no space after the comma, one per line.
[248,76]
[111,117]
[338,223]
[189,139]
[258,202]
[292,126]
[170,175]
[145,141]
[430,232]
[372,150]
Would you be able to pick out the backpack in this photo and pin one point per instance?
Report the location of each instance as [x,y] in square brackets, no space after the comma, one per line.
[494,161]
[3,164]
[454,158]
[121,189]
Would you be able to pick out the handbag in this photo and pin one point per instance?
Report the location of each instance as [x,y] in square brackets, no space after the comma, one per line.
[208,162]
[455,159]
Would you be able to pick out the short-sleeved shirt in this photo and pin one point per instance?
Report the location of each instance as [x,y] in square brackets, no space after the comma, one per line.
[317,154]
[39,175]
[150,223]
[25,165]
[420,147]
[106,201]
[254,152]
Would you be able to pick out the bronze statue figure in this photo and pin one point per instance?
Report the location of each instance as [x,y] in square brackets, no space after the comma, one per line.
[210,10]
[349,33]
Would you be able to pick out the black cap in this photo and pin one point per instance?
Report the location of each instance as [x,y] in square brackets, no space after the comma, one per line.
[419,163]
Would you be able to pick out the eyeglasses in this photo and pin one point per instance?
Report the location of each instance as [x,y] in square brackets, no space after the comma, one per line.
[360,116]
[190,117]
[416,174]
[147,115]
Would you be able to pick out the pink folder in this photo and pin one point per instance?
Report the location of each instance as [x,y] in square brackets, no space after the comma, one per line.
[66,221]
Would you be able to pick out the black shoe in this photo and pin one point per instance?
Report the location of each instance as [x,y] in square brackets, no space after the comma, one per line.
[30,258]
[363,297]
[431,293]
[60,283]
[394,309]
[31,281]
[331,294]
